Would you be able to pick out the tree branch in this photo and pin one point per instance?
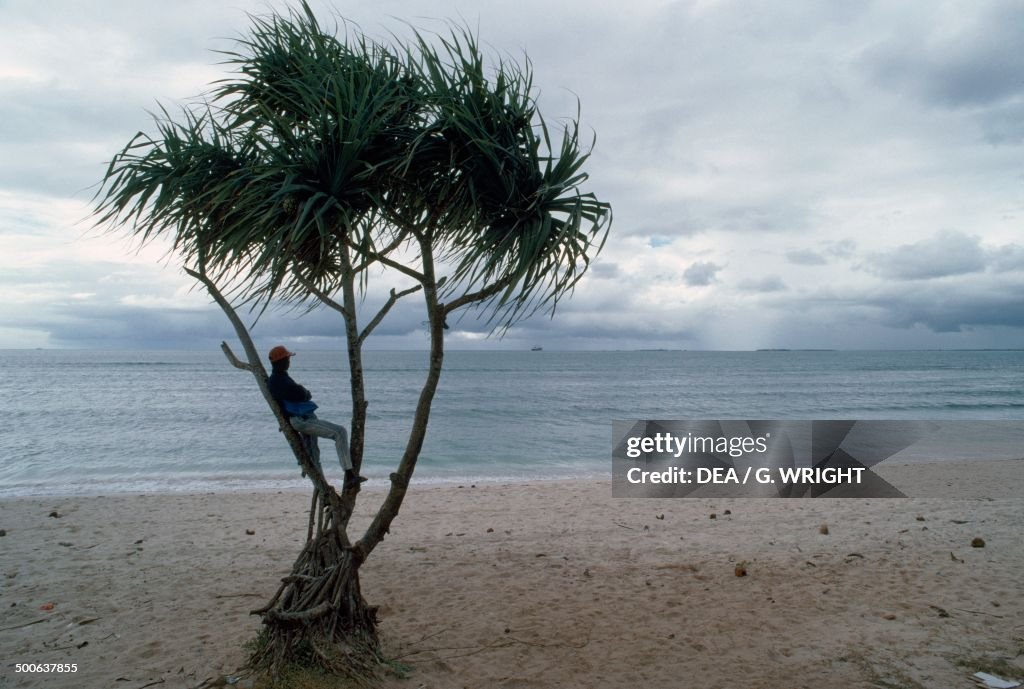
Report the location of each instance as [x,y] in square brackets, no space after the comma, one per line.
[383,252]
[234,360]
[322,296]
[388,510]
[384,310]
[414,274]
[480,295]
[357,385]
[255,366]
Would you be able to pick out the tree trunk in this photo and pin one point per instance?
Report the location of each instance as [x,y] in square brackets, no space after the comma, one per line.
[318,617]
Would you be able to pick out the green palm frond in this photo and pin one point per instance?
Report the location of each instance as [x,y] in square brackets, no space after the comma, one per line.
[515,211]
[318,149]
[280,170]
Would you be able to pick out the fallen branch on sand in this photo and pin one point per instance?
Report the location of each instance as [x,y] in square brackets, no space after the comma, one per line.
[238,595]
[978,612]
[27,624]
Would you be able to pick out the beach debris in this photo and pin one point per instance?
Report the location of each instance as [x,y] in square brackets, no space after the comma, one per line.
[984,679]
[256,595]
[920,518]
[490,530]
[26,624]
[979,612]
[740,569]
[646,528]
[727,512]
[712,516]
[942,612]
[823,529]
[977,542]
[959,521]
[47,606]
[3,532]
[954,557]
[660,516]
[250,532]
[55,514]
[889,616]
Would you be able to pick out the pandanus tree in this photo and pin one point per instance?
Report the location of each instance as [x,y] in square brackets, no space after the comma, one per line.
[322,165]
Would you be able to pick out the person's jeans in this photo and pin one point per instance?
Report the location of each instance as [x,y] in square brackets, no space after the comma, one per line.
[316,428]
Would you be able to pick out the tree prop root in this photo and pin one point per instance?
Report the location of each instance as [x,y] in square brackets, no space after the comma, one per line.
[318,618]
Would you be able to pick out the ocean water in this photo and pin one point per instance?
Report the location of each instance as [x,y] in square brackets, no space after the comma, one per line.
[96,422]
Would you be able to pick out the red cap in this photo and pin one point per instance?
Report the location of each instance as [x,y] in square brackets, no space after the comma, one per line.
[279,352]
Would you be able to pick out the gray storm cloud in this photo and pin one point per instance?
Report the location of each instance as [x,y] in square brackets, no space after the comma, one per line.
[776,170]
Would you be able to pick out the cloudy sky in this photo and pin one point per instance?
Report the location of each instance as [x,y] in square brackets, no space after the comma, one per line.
[793,173]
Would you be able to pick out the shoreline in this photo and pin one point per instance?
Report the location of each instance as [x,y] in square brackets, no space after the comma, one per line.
[902,474]
[547,583]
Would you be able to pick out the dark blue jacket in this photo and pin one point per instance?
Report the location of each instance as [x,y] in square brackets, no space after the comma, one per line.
[284,389]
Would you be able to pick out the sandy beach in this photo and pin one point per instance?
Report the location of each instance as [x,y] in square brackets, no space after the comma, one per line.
[551,584]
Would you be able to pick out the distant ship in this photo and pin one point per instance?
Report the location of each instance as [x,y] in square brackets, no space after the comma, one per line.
[536,348]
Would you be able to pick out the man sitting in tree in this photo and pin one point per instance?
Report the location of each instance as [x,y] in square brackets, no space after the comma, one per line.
[298,406]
